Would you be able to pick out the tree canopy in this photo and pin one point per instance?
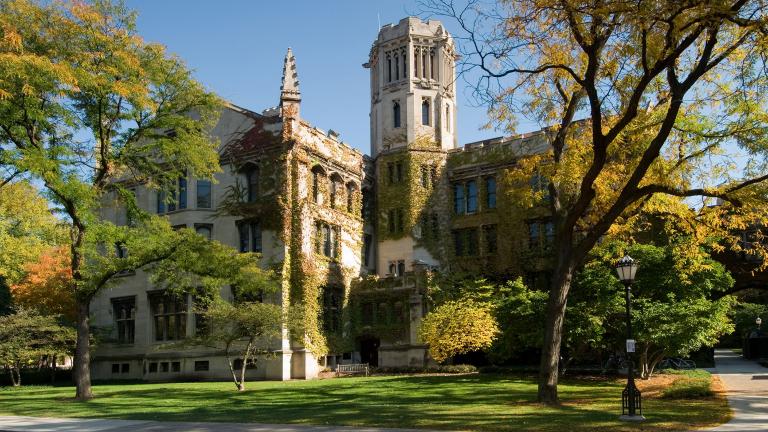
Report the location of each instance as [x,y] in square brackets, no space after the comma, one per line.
[643,102]
[89,110]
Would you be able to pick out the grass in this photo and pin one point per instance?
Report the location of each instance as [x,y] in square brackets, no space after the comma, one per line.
[692,384]
[464,402]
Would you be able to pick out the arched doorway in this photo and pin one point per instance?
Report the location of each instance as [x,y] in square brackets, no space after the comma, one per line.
[369,350]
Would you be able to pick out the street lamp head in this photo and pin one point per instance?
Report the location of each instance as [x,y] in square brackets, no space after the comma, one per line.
[758,321]
[626,268]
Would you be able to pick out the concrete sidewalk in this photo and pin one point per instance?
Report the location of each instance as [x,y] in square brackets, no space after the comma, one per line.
[747,385]
[42,424]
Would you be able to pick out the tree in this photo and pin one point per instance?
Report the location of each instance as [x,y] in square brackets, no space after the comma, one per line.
[458,327]
[46,285]
[666,90]
[26,335]
[88,110]
[242,330]
[27,228]
[673,311]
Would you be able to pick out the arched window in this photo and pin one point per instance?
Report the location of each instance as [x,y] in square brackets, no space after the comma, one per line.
[252,183]
[351,189]
[396,113]
[425,112]
[317,178]
[336,185]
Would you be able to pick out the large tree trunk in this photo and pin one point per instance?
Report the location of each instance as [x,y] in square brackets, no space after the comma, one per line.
[82,366]
[553,331]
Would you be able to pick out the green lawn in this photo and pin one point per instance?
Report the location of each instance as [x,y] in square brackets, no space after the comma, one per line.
[465,402]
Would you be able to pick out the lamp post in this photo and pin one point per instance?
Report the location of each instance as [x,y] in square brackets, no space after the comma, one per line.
[759,322]
[631,400]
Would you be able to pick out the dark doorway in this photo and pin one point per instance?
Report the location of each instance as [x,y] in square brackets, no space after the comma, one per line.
[369,351]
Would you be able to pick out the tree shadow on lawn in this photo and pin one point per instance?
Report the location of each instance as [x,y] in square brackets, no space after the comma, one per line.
[440,402]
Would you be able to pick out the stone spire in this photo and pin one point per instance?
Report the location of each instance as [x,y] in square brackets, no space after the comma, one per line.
[290,96]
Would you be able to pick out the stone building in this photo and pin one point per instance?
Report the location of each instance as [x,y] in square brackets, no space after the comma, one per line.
[350,235]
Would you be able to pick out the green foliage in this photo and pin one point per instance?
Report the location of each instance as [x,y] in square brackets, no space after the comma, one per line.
[744,315]
[242,330]
[458,327]
[25,335]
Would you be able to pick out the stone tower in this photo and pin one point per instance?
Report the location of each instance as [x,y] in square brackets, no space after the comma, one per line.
[413,89]
[413,125]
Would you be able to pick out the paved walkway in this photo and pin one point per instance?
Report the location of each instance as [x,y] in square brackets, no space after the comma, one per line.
[41,424]
[747,384]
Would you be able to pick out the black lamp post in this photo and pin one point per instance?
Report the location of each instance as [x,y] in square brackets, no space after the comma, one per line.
[631,400]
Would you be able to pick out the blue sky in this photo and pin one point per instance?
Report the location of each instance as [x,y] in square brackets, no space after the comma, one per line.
[236,48]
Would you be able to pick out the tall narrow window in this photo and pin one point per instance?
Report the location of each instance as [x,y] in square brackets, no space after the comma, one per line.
[397,67]
[458,243]
[405,63]
[490,192]
[326,239]
[161,197]
[317,179]
[424,175]
[182,193]
[471,196]
[204,194]
[490,238]
[391,221]
[389,68]
[459,203]
[399,221]
[367,243]
[432,63]
[252,180]
[391,172]
[250,237]
[399,171]
[401,268]
[425,112]
[424,63]
[396,114]
[351,189]
[472,243]
[124,310]
[334,192]
[448,117]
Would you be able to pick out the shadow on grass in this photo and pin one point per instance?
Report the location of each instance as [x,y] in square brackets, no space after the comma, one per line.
[484,402]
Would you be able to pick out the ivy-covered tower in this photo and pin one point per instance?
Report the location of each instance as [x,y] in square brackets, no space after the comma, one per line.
[413,125]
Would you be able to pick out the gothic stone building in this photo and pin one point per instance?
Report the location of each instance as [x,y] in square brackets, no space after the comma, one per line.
[350,235]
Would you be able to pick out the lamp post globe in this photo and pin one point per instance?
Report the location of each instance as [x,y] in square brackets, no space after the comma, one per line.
[631,399]
[759,322]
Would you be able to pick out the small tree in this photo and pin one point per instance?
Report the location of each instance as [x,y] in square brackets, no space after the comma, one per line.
[242,330]
[458,327]
[26,335]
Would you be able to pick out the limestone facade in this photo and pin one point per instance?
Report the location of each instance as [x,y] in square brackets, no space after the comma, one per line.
[352,234]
